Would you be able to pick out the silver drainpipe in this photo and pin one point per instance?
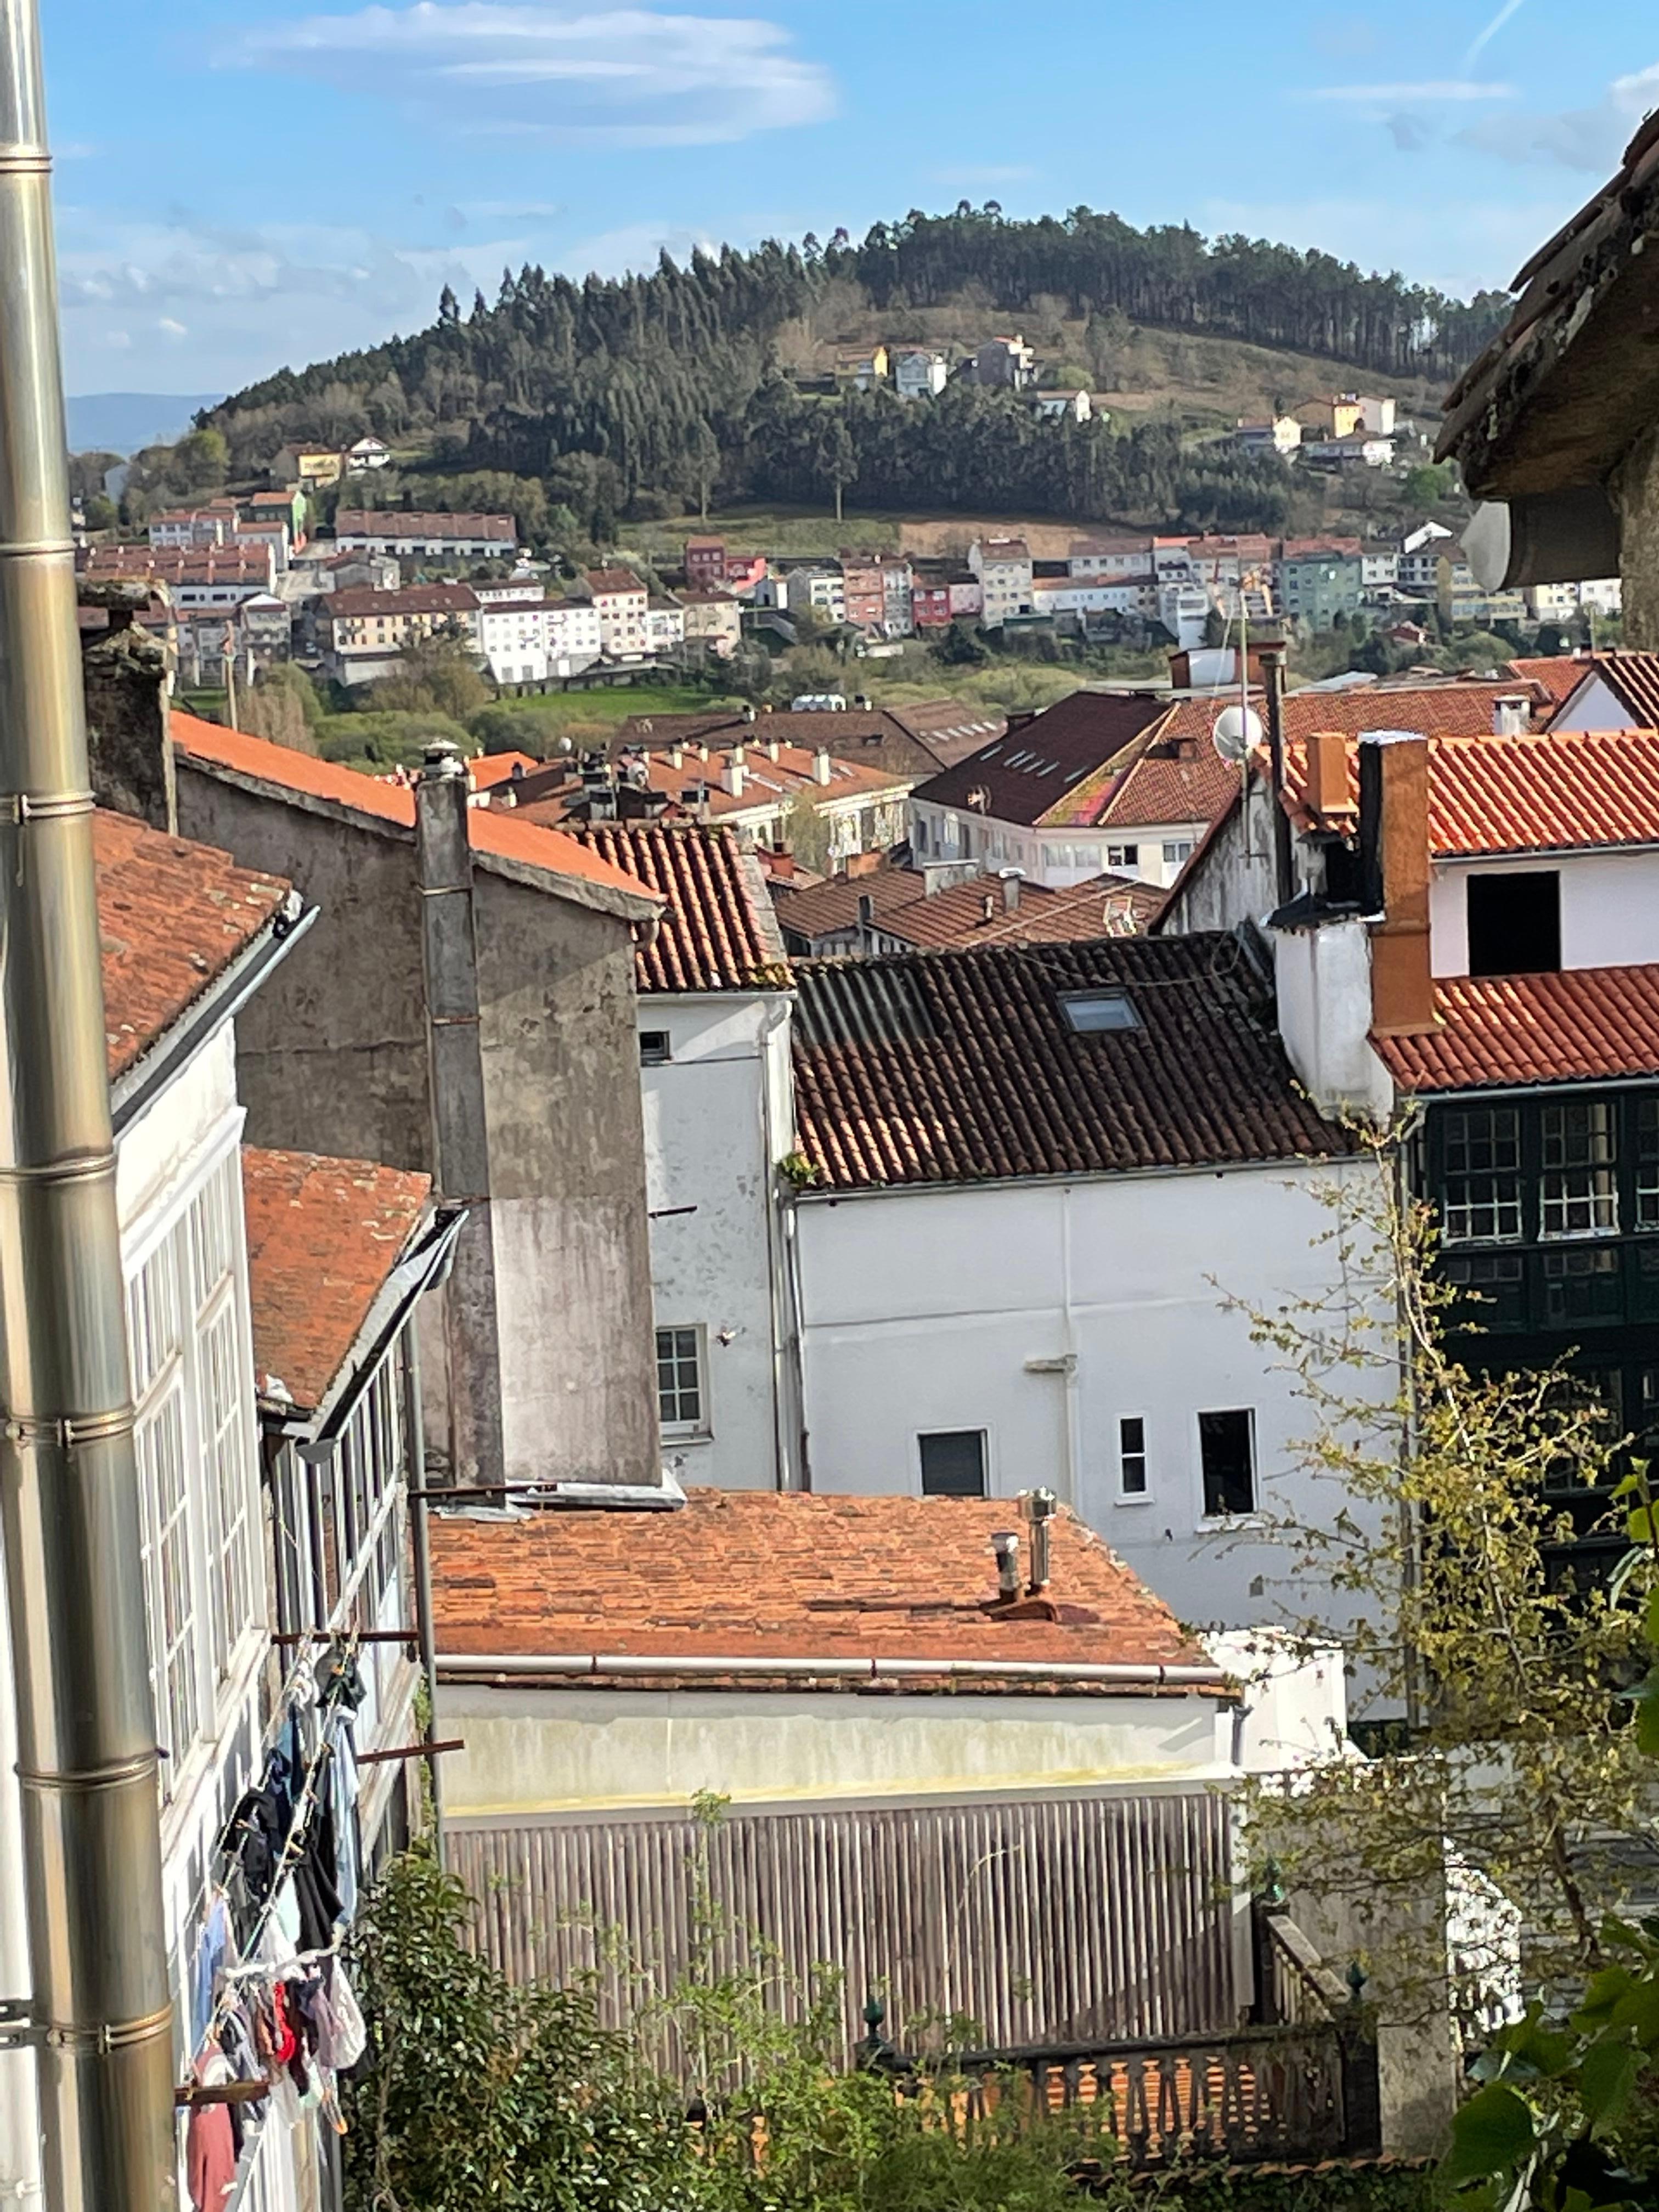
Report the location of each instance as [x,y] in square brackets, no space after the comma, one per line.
[69,1488]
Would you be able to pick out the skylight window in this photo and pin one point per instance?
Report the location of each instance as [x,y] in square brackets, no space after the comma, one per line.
[1092,1013]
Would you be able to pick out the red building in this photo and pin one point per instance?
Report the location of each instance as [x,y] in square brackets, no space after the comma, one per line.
[705,563]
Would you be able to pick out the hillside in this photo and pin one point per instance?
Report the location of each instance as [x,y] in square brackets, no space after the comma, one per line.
[655,394]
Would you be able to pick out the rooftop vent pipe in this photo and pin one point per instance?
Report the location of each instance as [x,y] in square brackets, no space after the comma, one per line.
[1005,1545]
[69,1483]
[1039,1508]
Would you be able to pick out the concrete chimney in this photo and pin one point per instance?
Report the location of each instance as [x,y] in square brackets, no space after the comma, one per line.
[1011,880]
[821,765]
[1393,843]
[676,756]
[1512,717]
[1328,773]
[460,1143]
[733,779]
[1005,1546]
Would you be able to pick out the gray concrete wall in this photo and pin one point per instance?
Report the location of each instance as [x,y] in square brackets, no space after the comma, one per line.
[567,1160]
[331,1050]
[332,1058]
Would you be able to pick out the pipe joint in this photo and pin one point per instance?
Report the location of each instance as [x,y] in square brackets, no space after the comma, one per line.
[105,2036]
[135,1769]
[26,806]
[68,1432]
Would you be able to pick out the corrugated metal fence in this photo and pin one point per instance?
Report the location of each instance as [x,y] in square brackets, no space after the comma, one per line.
[1038,1919]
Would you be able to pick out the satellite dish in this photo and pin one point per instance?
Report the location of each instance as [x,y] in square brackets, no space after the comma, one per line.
[1237,732]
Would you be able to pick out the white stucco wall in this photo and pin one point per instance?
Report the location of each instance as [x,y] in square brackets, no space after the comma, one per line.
[719,1116]
[539,1751]
[923,1310]
[1609,909]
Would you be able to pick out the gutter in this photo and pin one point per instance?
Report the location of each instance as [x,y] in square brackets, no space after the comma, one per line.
[224,999]
[463,1666]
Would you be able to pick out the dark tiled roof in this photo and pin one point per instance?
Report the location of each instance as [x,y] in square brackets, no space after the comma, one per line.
[323,1235]
[1582,1025]
[823,909]
[1030,775]
[756,1575]
[953,1067]
[719,932]
[171,917]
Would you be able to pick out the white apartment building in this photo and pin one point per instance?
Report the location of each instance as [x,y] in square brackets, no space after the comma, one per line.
[622,602]
[665,628]
[1003,566]
[815,587]
[575,637]
[419,536]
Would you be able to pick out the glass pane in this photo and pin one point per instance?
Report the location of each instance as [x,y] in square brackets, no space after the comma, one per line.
[953,1463]
[1227,1448]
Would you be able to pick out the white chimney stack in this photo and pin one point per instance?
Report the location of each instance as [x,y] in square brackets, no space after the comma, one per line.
[734,772]
[1512,717]
[821,765]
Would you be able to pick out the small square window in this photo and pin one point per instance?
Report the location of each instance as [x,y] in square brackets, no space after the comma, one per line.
[1226,1445]
[682,1395]
[1178,854]
[1131,1455]
[1123,856]
[1089,1014]
[655,1050]
[953,1463]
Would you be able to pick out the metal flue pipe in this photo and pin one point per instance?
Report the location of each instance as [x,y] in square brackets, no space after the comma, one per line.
[69,1488]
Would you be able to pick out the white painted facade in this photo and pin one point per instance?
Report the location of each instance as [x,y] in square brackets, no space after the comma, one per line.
[719,1111]
[1003,566]
[1592,705]
[1609,909]
[1042,1314]
[573,637]
[1153,852]
[919,374]
[530,1751]
[513,638]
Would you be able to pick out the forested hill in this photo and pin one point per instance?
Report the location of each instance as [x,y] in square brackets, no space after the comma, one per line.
[647,394]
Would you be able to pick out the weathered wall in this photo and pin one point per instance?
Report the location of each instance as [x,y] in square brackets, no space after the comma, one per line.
[331,1050]
[573,1258]
[1635,488]
[124,671]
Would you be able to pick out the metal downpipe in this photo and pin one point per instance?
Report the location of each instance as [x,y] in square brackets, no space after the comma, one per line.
[69,1489]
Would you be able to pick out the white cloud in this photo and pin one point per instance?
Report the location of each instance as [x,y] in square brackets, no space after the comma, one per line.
[247,299]
[1389,95]
[616,75]
[1589,138]
[1510,7]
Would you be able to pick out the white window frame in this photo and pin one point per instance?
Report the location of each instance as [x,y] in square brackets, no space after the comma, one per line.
[685,1432]
[1126,1496]
[210,1594]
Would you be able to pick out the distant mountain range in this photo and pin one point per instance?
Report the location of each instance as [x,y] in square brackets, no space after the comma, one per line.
[122,421]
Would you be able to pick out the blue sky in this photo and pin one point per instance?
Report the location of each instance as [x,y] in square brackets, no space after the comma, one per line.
[242,187]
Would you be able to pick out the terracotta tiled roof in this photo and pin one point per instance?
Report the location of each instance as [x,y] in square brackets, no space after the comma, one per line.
[1556,675]
[496,832]
[950,1067]
[824,909]
[1633,680]
[171,917]
[760,1575]
[1456,708]
[1167,785]
[1105,906]
[1559,791]
[1031,775]
[415,599]
[719,932]
[323,1235]
[374,522]
[488,769]
[605,581]
[769,785]
[1582,1025]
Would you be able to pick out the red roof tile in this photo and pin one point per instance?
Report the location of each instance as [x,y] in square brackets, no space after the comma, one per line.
[1557,675]
[171,917]
[1039,771]
[1584,1025]
[719,932]
[756,1575]
[494,832]
[1558,791]
[323,1235]
[392,522]
[957,1068]
[1105,906]
[1633,679]
[1452,709]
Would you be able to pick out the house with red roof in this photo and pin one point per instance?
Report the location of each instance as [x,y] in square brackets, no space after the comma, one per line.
[1477,932]
[464,1009]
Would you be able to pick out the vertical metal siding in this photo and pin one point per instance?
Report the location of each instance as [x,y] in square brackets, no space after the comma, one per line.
[1037,1920]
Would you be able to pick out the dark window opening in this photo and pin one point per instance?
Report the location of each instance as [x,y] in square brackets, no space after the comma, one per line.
[953,1463]
[1132,1454]
[654,1048]
[1226,1443]
[1515,925]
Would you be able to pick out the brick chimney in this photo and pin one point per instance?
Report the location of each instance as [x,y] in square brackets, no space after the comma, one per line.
[460,1141]
[1328,773]
[1394,846]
